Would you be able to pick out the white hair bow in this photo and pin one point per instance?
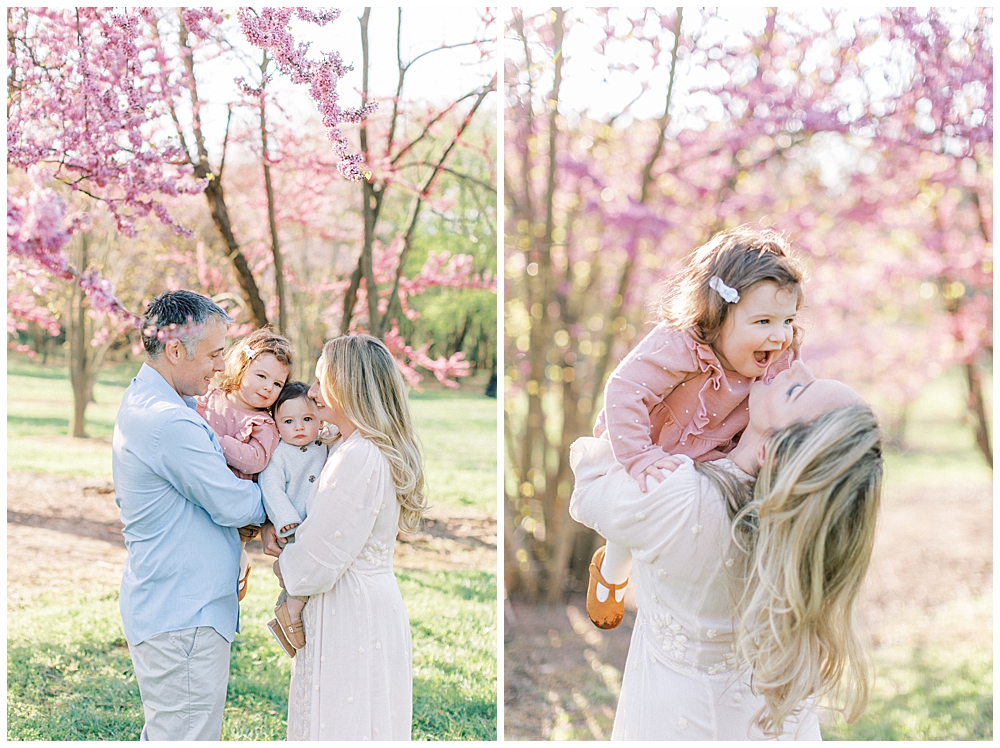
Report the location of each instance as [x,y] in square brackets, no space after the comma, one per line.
[728,293]
[249,352]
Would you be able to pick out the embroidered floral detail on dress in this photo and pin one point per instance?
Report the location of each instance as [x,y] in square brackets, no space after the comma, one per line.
[682,723]
[670,636]
[726,665]
[711,633]
[697,529]
[377,553]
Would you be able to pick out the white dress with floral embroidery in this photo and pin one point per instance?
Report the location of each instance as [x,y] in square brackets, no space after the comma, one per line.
[353,680]
[681,679]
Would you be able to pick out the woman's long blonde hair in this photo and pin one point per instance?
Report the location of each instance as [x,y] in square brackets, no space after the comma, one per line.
[807,526]
[359,374]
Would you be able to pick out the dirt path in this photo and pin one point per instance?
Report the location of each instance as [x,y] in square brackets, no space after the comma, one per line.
[64,533]
[931,584]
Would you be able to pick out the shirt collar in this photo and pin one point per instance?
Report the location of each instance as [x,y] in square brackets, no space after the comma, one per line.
[152,378]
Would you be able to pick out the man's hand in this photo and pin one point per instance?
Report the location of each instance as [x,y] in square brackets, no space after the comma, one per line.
[269,539]
[277,572]
[248,533]
[668,462]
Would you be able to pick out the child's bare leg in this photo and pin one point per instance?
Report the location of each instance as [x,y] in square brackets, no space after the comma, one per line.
[615,569]
[295,607]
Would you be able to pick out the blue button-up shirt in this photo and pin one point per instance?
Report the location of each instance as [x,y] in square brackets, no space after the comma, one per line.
[181,507]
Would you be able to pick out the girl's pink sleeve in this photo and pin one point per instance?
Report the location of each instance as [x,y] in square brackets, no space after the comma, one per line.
[251,455]
[661,361]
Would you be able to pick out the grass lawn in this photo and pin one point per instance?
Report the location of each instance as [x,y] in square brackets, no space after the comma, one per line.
[457,428]
[69,675]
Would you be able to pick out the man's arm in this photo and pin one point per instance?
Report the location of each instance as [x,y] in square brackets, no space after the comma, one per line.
[195,467]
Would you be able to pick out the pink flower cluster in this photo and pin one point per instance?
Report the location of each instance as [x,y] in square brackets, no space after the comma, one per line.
[268,30]
[37,230]
[195,18]
[442,368]
[87,90]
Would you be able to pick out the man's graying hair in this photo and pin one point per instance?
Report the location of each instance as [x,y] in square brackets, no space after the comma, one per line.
[179,315]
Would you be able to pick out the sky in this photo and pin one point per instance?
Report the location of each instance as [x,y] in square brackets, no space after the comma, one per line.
[437,77]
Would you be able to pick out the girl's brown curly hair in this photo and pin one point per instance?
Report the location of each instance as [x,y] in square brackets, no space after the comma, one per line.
[741,258]
[261,342]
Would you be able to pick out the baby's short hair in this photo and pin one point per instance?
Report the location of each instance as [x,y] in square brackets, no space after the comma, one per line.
[291,391]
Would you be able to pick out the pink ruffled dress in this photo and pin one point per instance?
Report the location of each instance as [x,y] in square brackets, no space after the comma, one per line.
[248,439]
[671,395]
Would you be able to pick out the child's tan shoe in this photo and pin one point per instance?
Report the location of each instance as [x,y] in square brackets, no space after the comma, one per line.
[275,628]
[608,614]
[292,631]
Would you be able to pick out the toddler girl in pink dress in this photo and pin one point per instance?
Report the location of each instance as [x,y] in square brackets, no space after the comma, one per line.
[728,320]
[237,411]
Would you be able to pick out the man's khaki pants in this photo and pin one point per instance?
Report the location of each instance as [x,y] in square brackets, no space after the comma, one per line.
[182,678]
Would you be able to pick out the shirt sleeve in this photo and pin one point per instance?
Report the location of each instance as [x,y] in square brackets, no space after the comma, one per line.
[196,468]
[251,454]
[608,501]
[273,481]
[339,521]
[660,362]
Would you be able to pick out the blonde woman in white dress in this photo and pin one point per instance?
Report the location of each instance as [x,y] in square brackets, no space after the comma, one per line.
[746,569]
[353,678]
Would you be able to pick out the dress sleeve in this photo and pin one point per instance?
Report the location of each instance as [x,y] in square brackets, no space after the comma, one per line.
[660,362]
[340,519]
[272,481]
[197,470]
[608,501]
[251,452]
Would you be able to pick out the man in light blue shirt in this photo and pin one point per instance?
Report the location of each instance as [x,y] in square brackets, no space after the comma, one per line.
[181,507]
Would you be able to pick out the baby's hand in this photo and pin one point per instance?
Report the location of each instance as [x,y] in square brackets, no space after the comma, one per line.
[668,462]
[288,527]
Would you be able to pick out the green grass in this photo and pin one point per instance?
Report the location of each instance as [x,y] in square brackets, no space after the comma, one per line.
[926,694]
[458,429]
[459,435]
[69,675]
[454,629]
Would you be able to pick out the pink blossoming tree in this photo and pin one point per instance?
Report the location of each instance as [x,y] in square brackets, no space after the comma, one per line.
[102,104]
[865,138]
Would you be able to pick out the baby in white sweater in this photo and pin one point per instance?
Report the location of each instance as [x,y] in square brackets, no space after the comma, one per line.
[286,484]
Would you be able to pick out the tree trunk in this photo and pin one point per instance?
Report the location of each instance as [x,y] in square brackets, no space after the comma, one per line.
[977,409]
[76,336]
[214,194]
[279,276]
[491,386]
[220,216]
[371,204]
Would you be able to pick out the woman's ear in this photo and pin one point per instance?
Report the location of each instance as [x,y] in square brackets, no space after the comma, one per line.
[761,453]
